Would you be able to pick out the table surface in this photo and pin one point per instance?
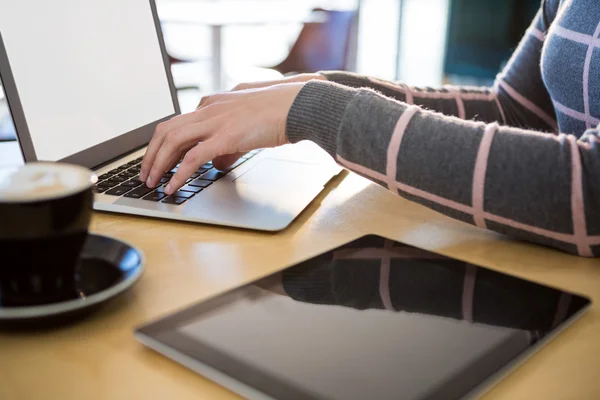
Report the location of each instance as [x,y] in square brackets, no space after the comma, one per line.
[223,13]
[98,358]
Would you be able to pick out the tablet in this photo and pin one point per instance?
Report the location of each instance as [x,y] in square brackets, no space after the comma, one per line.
[372,319]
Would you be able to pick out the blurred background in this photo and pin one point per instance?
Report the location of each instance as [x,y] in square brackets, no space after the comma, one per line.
[215,44]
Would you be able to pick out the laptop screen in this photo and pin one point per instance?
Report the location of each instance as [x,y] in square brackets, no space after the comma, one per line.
[86,71]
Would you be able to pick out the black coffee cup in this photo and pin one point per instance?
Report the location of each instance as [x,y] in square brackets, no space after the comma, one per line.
[45,212]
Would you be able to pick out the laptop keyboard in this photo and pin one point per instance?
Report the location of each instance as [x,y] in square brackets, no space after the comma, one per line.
[124,181]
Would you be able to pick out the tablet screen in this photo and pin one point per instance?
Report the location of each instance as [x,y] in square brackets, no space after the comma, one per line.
[373,319]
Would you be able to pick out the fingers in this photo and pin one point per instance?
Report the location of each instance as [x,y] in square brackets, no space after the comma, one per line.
[161,131]
[225,161]
[199,155]
[203,102]
[173,144]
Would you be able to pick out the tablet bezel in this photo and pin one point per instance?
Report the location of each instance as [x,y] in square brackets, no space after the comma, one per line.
[162,336]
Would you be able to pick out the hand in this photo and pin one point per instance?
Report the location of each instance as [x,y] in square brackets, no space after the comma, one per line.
[222,129]
[291,79]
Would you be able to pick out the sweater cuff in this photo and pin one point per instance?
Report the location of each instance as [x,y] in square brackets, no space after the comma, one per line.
[349,79]
[317,114]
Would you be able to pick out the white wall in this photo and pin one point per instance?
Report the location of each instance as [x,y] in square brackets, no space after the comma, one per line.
[423,41]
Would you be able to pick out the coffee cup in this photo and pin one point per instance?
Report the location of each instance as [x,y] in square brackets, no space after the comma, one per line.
[45,212]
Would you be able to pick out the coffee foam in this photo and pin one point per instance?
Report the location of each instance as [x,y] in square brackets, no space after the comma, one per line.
[43,181]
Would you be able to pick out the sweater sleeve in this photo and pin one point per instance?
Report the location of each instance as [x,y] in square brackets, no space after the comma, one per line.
[537,187]
[518,97]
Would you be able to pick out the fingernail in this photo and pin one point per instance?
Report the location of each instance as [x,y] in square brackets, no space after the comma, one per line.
[142,176]
[168,189]
[148,182]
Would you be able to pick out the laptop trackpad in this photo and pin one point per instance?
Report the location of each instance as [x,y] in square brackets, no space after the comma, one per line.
[273,172]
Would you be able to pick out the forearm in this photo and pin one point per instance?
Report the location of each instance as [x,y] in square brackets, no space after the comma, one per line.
[537,187]
[471,103]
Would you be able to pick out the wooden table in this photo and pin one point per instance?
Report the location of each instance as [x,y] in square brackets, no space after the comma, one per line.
[99,358]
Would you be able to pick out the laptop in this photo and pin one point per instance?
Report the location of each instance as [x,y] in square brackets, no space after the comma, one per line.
[87,82]
[370,319]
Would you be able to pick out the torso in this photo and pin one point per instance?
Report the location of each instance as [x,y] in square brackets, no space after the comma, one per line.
[571,65]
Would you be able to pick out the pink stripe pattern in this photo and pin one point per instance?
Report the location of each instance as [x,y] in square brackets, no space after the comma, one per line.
[453,94]
[577,204]
[409,96]
[575,114]
[384,285]
[528,104]
[384,279]
[399,87]
[562,308]
[479,174]
[562,237]
[500,109]
[394,145]
[537,34]
[460,105]
[575,36]
[468,292]
[586,77]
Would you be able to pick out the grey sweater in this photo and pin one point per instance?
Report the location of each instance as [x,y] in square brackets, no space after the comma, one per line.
[521,158]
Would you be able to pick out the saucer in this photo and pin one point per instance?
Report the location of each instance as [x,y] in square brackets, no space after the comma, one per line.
[107,268]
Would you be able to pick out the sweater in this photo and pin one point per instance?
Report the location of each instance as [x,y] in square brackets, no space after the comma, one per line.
[521,158]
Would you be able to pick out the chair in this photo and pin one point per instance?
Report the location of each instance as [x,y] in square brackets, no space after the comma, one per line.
[322,45]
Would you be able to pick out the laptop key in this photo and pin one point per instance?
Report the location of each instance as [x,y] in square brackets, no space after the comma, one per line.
[100,189]
[118,191]
[129,174]
[132,183]
[154,196]
[200,183]
[183,194]
[202,170]
[138,193]
[174,200]
[119,178]
[164,180]
[189,188]
[107,184]
[213,175]
[105,176]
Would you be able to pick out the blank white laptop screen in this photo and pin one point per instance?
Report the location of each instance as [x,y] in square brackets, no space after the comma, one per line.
[86,70]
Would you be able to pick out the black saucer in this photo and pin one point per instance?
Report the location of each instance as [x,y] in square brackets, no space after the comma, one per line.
[108,267]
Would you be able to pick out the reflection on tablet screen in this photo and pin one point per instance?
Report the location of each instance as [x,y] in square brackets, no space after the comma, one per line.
[374,319]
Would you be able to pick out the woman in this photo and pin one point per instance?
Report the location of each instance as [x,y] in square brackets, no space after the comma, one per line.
[491,157]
